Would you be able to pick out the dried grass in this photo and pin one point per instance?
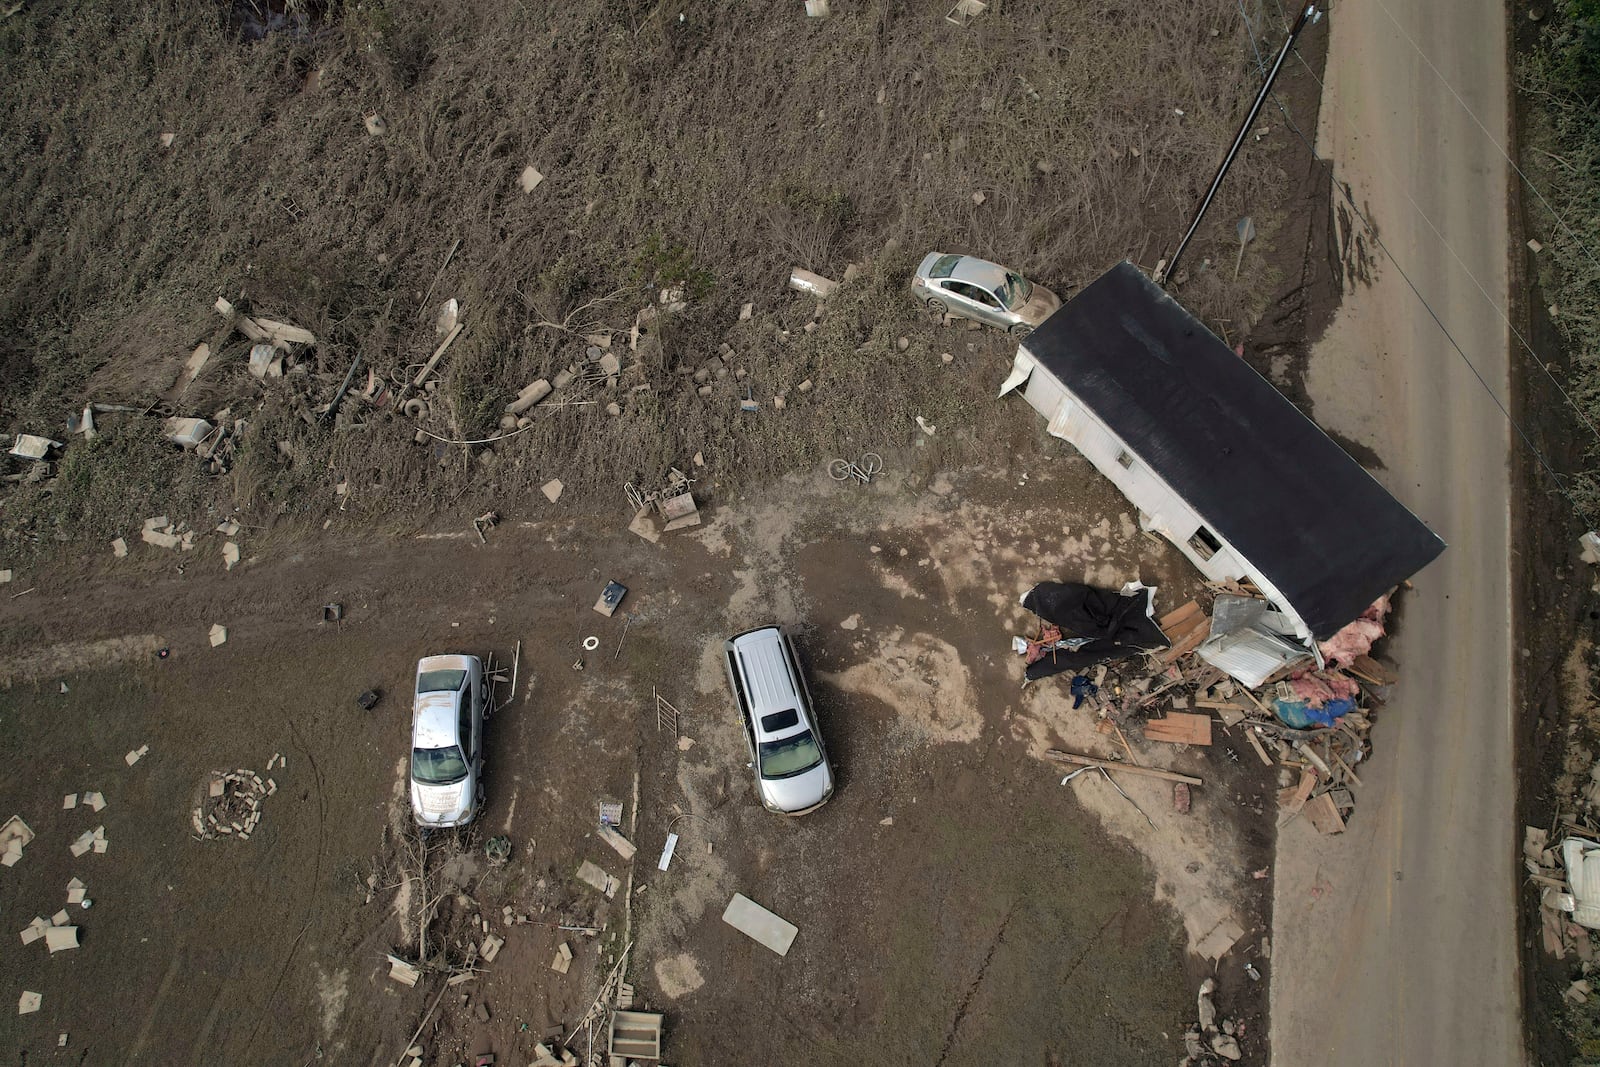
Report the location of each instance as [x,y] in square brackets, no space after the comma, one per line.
[713,152]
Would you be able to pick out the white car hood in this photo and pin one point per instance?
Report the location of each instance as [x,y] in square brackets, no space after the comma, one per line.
[800,792]
[1039,307]
[441,804]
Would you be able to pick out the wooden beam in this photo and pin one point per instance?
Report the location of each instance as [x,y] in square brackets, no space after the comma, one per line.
[1255,743]
[1143,772]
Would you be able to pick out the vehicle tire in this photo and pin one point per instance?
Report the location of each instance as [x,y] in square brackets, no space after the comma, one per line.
[1020,330]
[939,308]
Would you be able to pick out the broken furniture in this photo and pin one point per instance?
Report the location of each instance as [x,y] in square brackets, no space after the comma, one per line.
[674,503]
[636,1035]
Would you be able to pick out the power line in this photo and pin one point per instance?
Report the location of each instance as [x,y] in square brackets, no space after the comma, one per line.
[1499,310]
[1372,233]
[1587,251]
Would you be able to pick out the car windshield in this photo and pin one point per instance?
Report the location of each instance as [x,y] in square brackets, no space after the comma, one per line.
[1015,291]
[440,681]
[438,766]
[789,757]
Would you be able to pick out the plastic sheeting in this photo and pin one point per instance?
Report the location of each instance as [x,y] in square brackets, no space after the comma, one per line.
[1117,623]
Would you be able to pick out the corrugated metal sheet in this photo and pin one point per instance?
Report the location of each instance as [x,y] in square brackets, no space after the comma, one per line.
[1249,656]
[1582,860]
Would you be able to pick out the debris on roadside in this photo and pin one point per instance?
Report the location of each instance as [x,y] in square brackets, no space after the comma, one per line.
[670,508]
[400,971]
[1104,624]
[635,1035]
[1211,1039]
[1178,678]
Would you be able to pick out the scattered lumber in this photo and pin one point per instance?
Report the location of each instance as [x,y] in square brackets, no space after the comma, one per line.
[1111,765]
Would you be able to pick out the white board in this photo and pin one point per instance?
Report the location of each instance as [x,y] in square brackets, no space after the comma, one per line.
[751,919]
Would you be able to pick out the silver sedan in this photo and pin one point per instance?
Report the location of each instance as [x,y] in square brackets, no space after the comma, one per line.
[447,741]
[974,288]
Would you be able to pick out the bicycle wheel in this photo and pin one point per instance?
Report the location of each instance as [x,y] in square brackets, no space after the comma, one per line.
[871,463]
[839,470]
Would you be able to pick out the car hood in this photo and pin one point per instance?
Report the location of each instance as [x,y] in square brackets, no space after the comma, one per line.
[1040,306]
[442,805]
[800,793]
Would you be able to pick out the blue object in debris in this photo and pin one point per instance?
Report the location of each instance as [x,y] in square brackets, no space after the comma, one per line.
[1081,688]
[1300,715]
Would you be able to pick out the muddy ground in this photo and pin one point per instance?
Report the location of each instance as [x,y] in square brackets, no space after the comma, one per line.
[956,904]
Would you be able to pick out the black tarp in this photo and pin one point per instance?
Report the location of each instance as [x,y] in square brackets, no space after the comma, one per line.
[1116,625]
[1259,473]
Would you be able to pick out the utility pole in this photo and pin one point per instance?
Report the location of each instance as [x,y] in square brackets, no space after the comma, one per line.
[1166,269]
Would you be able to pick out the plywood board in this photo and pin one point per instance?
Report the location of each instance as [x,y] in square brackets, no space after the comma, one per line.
[1180,728]
[1324,814]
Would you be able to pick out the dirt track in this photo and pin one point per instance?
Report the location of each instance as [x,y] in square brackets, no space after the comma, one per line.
[991,917]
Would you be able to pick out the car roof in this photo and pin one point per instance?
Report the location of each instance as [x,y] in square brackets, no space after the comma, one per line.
[977,271]
[770,685]
[433,723]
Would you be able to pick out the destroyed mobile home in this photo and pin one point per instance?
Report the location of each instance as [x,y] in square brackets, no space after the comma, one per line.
[1302,546]
[1218,461]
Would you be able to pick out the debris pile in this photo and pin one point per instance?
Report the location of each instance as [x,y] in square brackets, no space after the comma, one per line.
[231,806]
[1563,865]
[1231,665]
[1210,1040]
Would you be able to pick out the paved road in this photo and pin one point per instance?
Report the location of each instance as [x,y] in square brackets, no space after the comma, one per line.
[1395,943]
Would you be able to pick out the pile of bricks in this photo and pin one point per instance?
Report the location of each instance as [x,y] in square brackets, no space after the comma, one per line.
[232,805]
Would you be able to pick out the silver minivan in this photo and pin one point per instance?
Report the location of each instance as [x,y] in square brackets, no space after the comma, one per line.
[780,729]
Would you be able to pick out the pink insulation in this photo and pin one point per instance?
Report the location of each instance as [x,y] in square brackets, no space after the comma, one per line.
[1355,640]
[1315,688]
